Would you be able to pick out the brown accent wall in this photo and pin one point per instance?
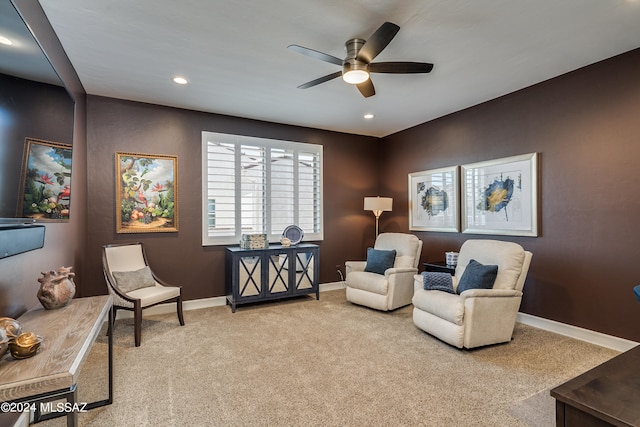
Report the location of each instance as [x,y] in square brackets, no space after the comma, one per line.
[116,125]
[586,127]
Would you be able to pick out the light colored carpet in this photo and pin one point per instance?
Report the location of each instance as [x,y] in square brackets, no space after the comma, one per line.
[304,362]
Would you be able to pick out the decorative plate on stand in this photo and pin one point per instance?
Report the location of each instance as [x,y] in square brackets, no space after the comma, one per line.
[293,233]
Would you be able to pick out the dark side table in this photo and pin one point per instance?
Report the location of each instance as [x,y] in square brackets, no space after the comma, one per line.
[607,395]
[439,267]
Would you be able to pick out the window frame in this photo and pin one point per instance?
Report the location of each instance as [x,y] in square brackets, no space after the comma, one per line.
[267,144]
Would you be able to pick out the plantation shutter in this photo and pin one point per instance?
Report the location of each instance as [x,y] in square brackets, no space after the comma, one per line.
[256,185]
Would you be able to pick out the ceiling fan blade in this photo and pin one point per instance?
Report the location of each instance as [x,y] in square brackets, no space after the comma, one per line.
[378,41]
[315,54]
[320,80]
[366,88]
[400,67]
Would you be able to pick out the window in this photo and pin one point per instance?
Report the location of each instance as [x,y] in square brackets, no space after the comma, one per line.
[257,185]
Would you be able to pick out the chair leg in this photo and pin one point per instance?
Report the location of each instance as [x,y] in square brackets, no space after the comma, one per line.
[137,314]
[179,308]
[114,311]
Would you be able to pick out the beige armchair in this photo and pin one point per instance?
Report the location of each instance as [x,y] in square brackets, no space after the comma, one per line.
[394,287]
[475,317]
[133,285]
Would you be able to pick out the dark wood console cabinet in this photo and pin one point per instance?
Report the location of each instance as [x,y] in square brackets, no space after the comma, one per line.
[275,272]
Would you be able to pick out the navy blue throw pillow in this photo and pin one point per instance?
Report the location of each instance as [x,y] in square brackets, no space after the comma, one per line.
[477,276]
[435,281]
[378,261]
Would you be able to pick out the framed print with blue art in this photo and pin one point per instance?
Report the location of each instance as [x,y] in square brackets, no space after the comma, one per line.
[433,200]
[500,196]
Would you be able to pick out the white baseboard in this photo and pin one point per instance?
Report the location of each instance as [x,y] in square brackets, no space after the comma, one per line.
[332,286]
[593,337]
[207,302]
[597,338]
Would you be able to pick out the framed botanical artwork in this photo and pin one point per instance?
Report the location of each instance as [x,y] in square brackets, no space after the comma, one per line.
[45,184]
[433,200]
[501,196]
[146,193]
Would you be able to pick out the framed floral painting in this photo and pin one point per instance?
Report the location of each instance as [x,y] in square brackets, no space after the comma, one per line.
[501,196]
[433,200]
[45,184]
[146,193]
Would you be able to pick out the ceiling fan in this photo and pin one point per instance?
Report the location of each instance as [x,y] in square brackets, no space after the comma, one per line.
[357,65]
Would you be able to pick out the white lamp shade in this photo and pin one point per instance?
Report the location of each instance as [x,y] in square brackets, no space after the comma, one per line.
[378,203]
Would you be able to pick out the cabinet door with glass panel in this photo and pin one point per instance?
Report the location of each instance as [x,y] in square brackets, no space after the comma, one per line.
[305,274]
[278,274]
[250,269]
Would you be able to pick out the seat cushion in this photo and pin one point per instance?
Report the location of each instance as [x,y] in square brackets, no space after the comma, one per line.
[444,305]
[367,281]
[131,280]
[378,260]
[153,295]
[477,276]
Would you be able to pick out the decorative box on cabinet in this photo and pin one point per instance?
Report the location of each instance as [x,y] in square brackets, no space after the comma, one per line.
[271,273]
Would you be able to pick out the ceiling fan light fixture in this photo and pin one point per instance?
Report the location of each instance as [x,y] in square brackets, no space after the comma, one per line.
[355,77]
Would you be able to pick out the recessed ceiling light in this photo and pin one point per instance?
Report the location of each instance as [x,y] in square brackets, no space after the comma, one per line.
[4,40]
[180,80]
[369,116]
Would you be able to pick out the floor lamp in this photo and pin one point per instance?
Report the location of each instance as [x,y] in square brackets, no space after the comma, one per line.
[377,205]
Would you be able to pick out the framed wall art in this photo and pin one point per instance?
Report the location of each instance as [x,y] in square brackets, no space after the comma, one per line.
[433,200]
[500,196]
[45,184]
[146,193]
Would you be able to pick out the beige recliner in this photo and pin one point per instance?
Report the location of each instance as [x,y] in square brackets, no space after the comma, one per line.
[394,288]
[475,317]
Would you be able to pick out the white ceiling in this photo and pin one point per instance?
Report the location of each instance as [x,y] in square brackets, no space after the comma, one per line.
[235,54]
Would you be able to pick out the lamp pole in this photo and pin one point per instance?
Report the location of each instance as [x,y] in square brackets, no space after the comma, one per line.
[378,205]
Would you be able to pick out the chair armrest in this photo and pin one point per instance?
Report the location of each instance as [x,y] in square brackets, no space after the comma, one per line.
[418,282]
[354,266]
[490,293]
[399,270]
[400,285]
[162,282]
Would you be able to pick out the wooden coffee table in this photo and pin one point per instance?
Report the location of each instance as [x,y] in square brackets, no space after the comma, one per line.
[52,374]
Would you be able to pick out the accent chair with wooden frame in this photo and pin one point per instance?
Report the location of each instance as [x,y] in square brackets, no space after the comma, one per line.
[133,285]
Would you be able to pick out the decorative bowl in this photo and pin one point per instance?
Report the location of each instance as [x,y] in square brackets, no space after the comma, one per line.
[25,345]
[11,327]
[4,342]
[285,242]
